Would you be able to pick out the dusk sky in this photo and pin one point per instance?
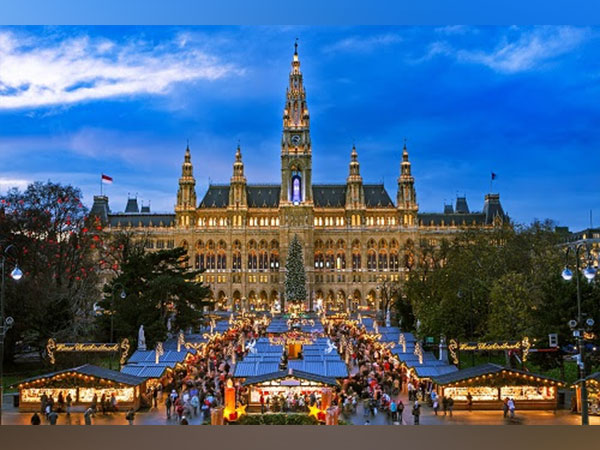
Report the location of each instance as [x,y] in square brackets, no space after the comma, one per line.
[522,102]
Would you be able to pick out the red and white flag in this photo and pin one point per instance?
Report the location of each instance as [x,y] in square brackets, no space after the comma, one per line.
[106,179]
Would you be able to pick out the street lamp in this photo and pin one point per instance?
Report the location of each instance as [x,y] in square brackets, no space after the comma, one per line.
[112,307]
[5,322]
[589,272]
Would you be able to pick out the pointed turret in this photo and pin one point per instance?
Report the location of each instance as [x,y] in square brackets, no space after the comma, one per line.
[185,209]
[355,194]
[296,150]
[237,191]
[407,197]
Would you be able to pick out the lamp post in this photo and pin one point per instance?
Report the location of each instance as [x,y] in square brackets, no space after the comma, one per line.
[112,308]
[5,323]
[589,272]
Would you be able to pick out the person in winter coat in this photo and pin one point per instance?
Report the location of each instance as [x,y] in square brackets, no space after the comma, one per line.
[87,415]
[35,419]
[416,412]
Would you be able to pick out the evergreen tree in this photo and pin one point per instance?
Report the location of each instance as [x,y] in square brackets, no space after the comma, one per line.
[295,277]
[158,285]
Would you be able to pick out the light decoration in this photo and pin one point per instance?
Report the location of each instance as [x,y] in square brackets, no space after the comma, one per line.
[194,345]
[53,347]
[252,346]
[124,350]
[231,413]
[419,352]
[211,337]
[158,352]
[524,345]
[402,342]
[452,347]
[317,413]
[180,341]
[372,336]
[330,346]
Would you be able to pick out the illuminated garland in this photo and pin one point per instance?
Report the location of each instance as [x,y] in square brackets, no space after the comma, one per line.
[53,347]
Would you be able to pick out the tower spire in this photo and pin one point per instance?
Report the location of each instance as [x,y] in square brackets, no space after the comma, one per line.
[355,195]
[407,196]
[186,195]
[296,159]
[237,189]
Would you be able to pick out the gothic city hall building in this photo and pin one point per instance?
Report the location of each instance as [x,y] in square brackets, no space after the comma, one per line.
[354,235]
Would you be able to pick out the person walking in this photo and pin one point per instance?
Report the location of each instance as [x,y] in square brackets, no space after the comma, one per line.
[450,405]
[469,402]
[262,403]
[69,403]
[130,416]
[400,411]
[416,412]
[155,397]
[35,419]
[87,415]
[511,408]
[445,404]
[168,406]
[43,403]
[436,406]
[52,417]
[505,407]
[394,411]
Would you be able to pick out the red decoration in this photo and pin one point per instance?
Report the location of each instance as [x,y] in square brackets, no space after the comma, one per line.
[233,415]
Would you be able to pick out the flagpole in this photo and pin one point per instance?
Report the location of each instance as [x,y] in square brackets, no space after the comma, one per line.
[100,185]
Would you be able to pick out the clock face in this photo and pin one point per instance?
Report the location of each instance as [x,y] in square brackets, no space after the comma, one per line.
[296,139]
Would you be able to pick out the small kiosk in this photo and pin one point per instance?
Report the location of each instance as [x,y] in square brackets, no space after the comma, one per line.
[82,383]
[489,384]
[592,383]
[283,383]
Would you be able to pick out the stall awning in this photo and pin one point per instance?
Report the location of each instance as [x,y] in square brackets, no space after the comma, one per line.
[486,370]
[92,371]
[291,373]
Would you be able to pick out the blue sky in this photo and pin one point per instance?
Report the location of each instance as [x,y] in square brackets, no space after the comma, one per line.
[519,101]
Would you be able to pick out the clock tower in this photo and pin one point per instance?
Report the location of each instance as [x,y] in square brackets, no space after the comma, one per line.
[296,151]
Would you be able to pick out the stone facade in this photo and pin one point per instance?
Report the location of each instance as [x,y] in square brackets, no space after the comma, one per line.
[354,235]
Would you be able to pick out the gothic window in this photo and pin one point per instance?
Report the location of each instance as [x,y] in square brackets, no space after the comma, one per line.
[221,261]
[200,261]
[296,187]
[371,260]
[394,264]
[340,261]
[383,260]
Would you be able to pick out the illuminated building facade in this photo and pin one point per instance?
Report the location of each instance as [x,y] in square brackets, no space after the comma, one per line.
[354,235]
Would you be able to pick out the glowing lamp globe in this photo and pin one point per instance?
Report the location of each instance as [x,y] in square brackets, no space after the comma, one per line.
[567,274]
[16,274]
[589,272]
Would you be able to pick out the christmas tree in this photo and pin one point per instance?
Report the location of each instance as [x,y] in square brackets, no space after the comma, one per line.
[295,277]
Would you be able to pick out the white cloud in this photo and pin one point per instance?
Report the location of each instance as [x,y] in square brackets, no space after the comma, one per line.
[363,44]
[529,51]
[34,73]
[455,29]
[8,183]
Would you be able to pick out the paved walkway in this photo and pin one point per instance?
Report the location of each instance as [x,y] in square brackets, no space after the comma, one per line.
[12,416]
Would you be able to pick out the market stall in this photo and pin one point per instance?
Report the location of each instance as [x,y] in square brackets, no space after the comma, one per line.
[82,383]
[284,383]
[489,384]
[592,383]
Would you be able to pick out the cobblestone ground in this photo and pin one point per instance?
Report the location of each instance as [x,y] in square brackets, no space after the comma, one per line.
[11,416]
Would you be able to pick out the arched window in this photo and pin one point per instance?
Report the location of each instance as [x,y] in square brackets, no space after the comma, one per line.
[371,260]
[383,260]
[296,194]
